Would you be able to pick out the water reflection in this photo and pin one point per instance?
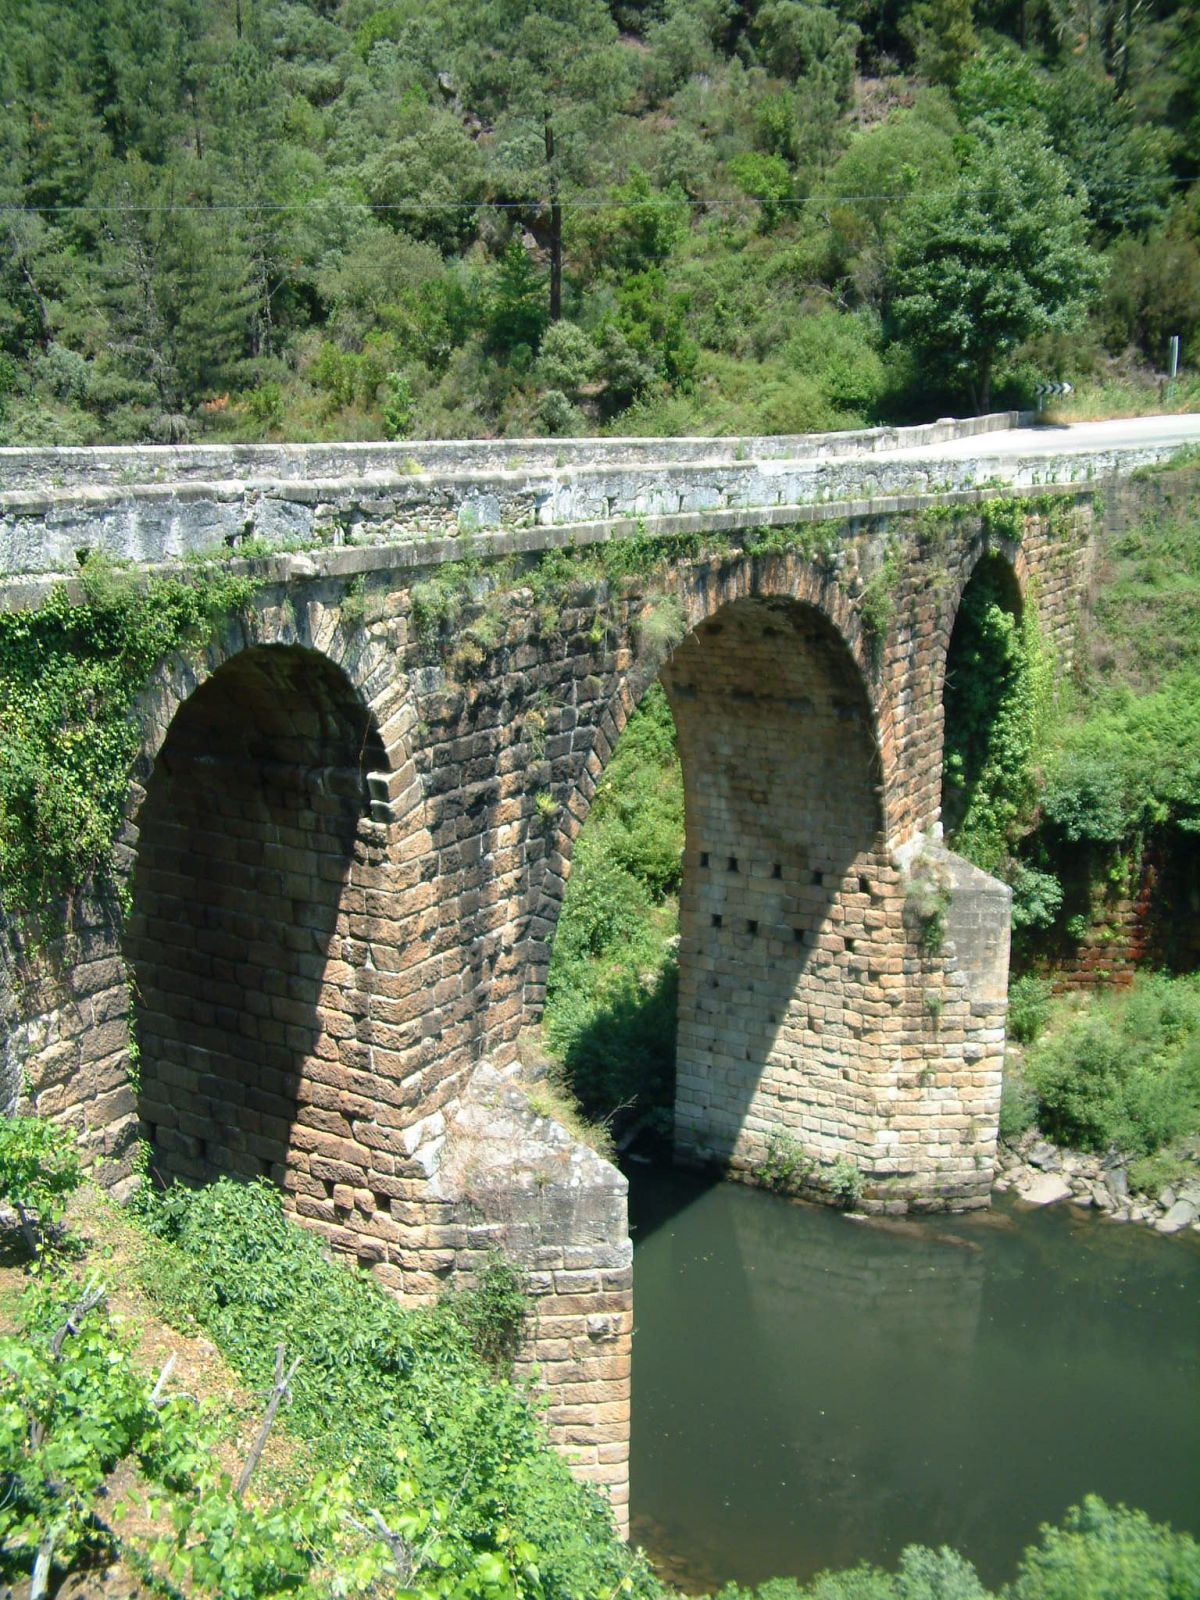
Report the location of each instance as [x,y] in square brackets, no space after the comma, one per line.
[811,1392]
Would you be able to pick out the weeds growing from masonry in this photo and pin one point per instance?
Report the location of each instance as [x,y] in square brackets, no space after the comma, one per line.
[70,676]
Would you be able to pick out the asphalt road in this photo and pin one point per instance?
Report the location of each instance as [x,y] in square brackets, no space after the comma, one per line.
[1129,433]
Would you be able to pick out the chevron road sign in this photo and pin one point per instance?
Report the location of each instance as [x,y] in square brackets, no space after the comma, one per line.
[1046,390]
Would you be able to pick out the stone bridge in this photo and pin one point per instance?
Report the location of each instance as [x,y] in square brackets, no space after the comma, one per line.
[351,822]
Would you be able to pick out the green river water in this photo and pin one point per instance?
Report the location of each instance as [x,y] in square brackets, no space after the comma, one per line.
[809,1391]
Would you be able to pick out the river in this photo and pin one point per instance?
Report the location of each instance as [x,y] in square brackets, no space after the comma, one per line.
[809,1391]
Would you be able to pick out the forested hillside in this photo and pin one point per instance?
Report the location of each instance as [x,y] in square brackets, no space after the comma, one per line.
[302,219]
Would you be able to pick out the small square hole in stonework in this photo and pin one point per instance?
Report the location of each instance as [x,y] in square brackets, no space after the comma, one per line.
[864,886]
[382,1201]
[716,916]
[798,935]
[328,1187]
[704,858]
[849,947]
[751,925]
[201,1149]
[777,871]
[818,878]
[264,1167]
[151,1132]
[364,1263]
[733,864]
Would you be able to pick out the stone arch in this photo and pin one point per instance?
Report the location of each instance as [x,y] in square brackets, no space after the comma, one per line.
[982,551]
[255,823]
[791,903]
[703,594]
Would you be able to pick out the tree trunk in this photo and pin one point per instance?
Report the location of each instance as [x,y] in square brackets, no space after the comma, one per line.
[555,226]
[985,385]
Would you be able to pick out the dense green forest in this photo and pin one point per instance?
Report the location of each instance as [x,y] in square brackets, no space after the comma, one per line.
[300,219]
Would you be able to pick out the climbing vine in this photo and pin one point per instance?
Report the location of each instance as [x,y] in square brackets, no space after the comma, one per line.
[70,672]
[996,697]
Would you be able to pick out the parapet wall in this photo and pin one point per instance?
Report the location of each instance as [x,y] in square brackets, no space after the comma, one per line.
[150,507]
[120,466]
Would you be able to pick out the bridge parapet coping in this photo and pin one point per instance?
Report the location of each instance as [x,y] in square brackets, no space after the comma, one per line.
[119,466]
[429,521]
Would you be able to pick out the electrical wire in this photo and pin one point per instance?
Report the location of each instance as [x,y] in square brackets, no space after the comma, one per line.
[584,201]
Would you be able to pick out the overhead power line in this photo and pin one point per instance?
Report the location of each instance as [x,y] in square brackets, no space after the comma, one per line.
[584,201]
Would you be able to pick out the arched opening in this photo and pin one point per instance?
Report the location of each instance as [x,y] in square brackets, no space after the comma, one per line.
[782,895]
[245,860]
[988,712]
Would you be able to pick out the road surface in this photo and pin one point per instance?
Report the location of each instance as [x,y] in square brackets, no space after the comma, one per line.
[1121,433]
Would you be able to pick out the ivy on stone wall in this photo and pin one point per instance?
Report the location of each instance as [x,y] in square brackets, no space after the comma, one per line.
[996,695]
[70,673]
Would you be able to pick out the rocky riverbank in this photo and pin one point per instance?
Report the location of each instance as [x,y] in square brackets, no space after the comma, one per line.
[1042,1174]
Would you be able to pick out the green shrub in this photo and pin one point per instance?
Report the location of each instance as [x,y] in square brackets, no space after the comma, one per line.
[1126,1072]
[65,1421]
[840,353]
[69,1416]
[785,1168]
[392,1397]
[995,699]
[1018,1105]
[1028,1007]
[1152,1174]
[1099,1552]
[494,1314]
[1037,897]
[610,1004]
[39,1168]
[69,676]
[842,1181]
[922,1574]
[1103,1552]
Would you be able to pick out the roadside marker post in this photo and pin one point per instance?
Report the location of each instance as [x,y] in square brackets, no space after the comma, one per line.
[1045,390]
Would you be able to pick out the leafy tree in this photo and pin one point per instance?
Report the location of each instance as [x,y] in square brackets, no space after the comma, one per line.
[871,187]
[1121,164]
[942,36]
[636,227]
[995,258]
[567,359]
[1153,292]
[518,314]
[799,40]
[1109,1553]
[39,1167]
[765,179]
[179,296]
[554,90]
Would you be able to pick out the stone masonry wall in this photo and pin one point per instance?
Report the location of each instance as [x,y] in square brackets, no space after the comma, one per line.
[146,505]
[359,806]
[120,465]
